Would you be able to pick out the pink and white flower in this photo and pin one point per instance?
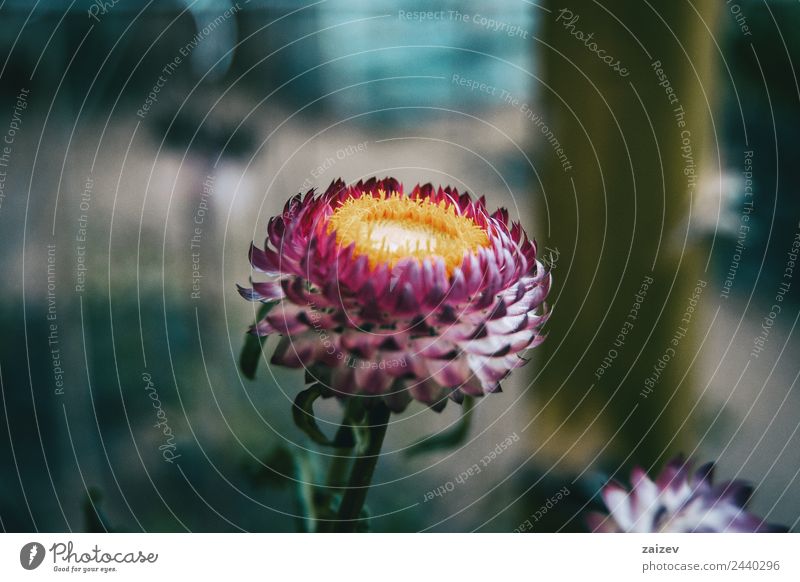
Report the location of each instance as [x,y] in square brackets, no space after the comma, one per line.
[678,501]
[425,295]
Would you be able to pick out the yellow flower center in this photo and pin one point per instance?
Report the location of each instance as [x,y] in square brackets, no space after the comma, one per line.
[394,227]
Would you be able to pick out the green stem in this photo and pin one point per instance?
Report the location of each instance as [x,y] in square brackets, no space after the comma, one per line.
[345,437]
[342,455]
[363,468]
[338,467]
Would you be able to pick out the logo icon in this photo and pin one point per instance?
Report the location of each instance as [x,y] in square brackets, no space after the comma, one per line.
[31,555]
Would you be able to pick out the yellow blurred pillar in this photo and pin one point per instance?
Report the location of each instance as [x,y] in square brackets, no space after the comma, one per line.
[629,99]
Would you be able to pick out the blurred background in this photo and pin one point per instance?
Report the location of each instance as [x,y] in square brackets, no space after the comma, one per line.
[649,147]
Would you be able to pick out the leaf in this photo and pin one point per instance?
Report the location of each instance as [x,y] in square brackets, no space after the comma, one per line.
[447,439]
[304,418]
[251,350]
[303,413]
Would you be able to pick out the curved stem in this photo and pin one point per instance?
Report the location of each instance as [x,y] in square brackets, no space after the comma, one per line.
[363,468]
[345,441]
[338,468]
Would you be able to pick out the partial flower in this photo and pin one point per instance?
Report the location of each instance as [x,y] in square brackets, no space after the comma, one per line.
[679,501]
[376,292]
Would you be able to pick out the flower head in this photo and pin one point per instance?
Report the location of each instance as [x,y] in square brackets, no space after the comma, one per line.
[424,295]
[679,501]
